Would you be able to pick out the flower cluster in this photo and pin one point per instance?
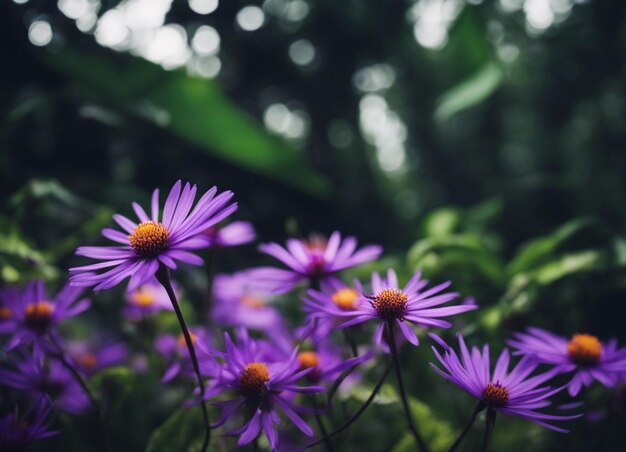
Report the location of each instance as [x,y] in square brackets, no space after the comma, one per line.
[275,368]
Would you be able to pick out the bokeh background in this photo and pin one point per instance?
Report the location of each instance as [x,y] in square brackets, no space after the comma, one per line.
[481,141]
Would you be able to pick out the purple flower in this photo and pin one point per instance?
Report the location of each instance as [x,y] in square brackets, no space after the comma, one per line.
[90,357]
[147,300]
[34,316]
[262,387]
[174,350]
[242,300]
[513,393]
[325,309]
[584,354]
[314,260]
[18,432]
[389,303]
[52,380]
[157,239]
[326,362]
[234,234]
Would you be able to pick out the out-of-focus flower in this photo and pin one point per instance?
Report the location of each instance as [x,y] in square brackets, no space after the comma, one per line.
[326,362]
[241,300]
[156,240]
[389,303]
[51,380]
[233,234]
[583,354]
[325,308]
[147,300]
[174,350]
[18,432]
[512,393]
[314,260]
[90,357]
[263,387]
[34,316]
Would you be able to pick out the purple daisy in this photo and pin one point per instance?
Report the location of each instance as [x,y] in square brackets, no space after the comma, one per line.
[148,299]
[52,380]
[314,260]
[389,303]
[174,350]
[241,300]
[34,316]
[18,432]
[90,357]
[157,239]
[262,387]
[327,362]
[325,308]
[512,393]
[583,354]
[233,234]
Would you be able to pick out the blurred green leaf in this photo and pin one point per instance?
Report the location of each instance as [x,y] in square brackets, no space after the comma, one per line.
[19,260]
[194,109]
[469,92]
[437,433]
[541,250]
[440,222]
[181,432]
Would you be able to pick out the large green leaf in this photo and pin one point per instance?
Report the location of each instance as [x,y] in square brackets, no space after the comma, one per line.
[193,108]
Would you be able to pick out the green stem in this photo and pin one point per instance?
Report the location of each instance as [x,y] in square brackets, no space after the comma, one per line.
[360,411]
[163,276]
[405,403]
[490,423]
[481,406]
[320,423]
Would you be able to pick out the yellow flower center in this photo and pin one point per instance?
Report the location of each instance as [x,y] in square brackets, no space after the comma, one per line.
[252,302]
[495,395]
[5,313]
[182,343]
[584,349]
[308,359]
[253,378]
[88,361]
[143,299]
[345,299]
[38,315]
[149,239]
[390,304]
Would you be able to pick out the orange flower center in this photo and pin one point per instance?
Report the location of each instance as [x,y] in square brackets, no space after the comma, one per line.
[495,395]
[182,343]
[143,299]
[345,299]
[584,349]
[253,379]
[38,315]
[391,304]
[5,313]
[88,361]
[252,302]
[308,359]
[149,239]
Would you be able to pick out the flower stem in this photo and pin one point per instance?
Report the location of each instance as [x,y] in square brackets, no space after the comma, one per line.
[163,276]
[60,356]
[320,423]
[405,403]
[490,423]
[360,411]
[350,341]
[481,406]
